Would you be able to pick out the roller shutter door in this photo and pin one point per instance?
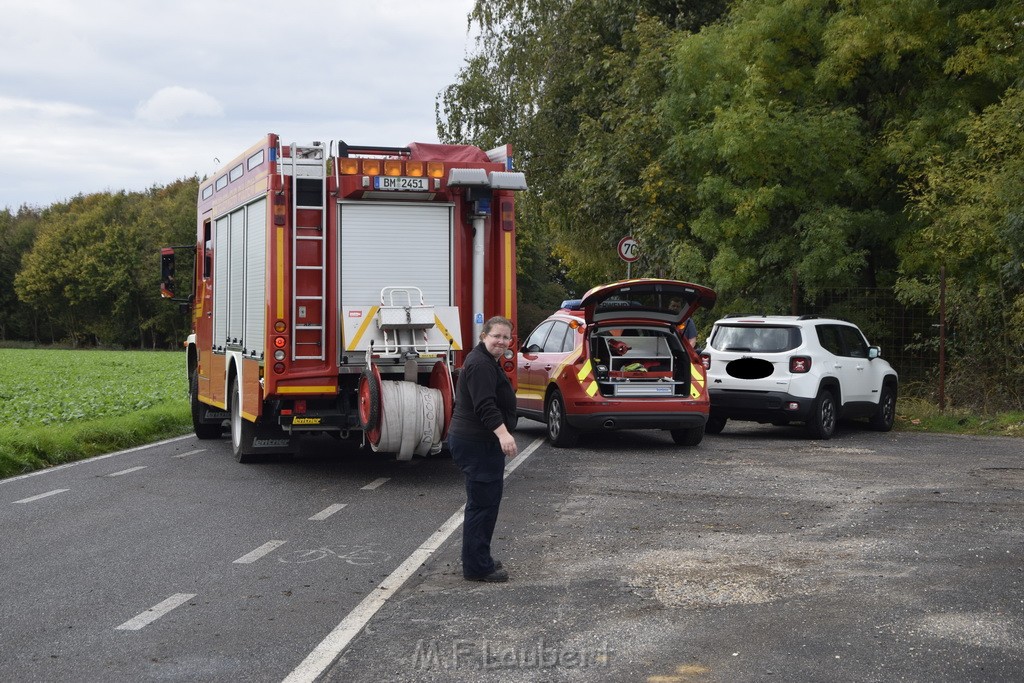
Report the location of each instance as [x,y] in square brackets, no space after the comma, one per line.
[255,278]
[395,245]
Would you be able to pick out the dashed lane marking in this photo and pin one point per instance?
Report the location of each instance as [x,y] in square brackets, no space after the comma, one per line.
[41,496]
[128,471]
[188,453]
[266,548]
[327,512]
[374,484]
[155,612]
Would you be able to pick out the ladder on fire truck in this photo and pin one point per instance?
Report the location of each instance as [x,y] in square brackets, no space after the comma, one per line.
[308,168]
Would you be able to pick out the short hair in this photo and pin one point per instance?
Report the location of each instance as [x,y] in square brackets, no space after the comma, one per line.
[496,320]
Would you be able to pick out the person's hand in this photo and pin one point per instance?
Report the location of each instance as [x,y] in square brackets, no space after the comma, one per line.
[508,445]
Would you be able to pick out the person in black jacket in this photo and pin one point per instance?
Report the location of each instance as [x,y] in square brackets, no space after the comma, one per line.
[480,438]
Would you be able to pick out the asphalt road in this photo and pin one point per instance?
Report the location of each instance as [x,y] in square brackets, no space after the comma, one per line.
[759,555]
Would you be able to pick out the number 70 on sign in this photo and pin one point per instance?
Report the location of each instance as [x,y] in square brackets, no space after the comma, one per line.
[629,251]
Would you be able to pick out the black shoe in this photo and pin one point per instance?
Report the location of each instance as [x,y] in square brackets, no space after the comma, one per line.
[498,565]
[497,576]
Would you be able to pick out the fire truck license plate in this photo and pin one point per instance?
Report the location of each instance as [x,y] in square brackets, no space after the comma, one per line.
[400,183]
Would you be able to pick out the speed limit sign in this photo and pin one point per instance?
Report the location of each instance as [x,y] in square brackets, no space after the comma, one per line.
[629,250]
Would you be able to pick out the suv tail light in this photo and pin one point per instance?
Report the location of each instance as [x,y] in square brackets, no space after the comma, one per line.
[705,360]
[799,364]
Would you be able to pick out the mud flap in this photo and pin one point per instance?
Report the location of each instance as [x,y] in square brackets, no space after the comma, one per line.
[259,440]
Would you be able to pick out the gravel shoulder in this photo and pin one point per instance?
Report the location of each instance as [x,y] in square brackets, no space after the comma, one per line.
[759,555]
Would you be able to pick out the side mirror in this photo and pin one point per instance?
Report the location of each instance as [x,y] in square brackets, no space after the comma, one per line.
[167,272]
[874,352]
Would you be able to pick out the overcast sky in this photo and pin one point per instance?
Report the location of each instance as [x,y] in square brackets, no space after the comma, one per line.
[100,95]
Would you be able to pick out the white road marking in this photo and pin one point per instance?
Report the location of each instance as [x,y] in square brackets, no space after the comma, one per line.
[187,453]
[155,612]
[128,471]
[76,463]
[327,512]
[268,547]
[337,640]
[41,495]
[374,484]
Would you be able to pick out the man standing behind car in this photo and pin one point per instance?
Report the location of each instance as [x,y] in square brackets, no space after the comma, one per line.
[690,330]
[480,439]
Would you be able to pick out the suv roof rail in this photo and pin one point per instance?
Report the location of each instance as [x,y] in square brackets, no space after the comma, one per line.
[809,316]
[746,315]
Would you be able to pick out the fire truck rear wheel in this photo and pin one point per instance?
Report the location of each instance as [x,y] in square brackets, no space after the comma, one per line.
[242,431]
[203,429]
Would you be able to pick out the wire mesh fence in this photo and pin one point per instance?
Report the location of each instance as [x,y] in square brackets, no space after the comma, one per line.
[908,335]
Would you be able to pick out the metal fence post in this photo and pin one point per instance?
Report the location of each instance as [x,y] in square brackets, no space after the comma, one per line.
[942,338]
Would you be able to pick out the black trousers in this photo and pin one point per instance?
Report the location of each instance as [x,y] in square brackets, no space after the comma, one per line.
[483,465]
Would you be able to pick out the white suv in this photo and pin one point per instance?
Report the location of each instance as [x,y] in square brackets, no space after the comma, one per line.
[780,369]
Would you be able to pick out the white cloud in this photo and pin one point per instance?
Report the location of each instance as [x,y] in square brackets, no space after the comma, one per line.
[173,103]
[24,107]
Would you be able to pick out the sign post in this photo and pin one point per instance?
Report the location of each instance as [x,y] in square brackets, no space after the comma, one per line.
[629,251]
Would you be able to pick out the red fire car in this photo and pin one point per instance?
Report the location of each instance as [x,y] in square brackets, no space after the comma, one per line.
[617,359]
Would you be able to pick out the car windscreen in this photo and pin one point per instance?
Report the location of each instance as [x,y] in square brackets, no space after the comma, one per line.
[755,338]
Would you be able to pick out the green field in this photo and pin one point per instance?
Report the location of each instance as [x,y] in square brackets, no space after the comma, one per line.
[59,405]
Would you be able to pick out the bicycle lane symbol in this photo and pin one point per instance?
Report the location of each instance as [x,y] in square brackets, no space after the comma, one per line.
[359,555]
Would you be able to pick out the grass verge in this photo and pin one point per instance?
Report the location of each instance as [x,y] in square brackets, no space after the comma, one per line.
[24,450]
[919,415]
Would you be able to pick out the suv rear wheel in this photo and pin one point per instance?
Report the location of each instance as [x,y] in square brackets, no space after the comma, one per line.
[715,424]
[560,433]
[822,422]
[688,437]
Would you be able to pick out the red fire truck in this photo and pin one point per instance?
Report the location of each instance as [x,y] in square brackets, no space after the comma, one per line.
[337,289]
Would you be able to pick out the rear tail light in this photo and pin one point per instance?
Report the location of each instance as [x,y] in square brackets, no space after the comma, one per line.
[705,360]
[799,364]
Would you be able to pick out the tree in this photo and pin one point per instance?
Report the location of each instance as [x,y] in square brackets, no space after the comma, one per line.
[972,204]
[95,265]
[17,233]
[562,80]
